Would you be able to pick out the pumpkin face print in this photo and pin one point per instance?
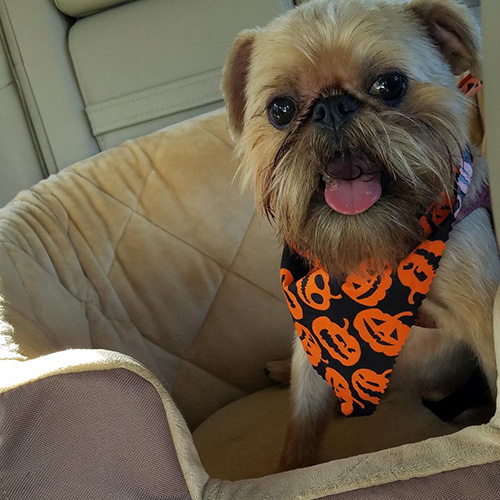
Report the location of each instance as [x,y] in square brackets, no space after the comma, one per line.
[309,344]
[440,212]
[436,214]
[416,272]
[424,224]
[337,341]
[314,290]
[366,286]
[370,385]
[342,391]
[293,304]
[383,332]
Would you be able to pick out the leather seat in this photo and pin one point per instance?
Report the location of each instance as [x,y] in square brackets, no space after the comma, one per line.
[85,75]
[80,76]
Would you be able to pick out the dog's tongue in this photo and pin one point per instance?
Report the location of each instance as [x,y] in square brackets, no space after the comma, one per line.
[351,197]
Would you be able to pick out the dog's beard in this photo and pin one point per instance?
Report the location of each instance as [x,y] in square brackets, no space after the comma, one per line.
[416,160]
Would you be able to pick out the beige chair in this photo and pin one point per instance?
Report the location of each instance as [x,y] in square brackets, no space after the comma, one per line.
[140,302]
[80,76]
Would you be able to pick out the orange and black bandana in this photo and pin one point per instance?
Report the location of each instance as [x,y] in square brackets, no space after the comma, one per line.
[352,331]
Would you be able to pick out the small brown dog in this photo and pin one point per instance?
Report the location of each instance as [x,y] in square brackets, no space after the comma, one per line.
[368,86]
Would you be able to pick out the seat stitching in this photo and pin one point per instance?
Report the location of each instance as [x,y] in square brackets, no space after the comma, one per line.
[212,305]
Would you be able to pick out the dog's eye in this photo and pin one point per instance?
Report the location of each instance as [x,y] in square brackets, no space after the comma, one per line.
[281,111]
[390,87]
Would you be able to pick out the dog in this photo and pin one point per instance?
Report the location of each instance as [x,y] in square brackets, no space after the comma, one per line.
[363,94]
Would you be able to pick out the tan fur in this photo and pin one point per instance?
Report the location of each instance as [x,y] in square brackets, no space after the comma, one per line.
[312,401]
[335,47]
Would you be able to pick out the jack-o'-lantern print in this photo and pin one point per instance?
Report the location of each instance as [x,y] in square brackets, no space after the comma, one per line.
[416,271]
[424,224]
[367,286]
[286,278]
[337,341]
[435,216]
[309,344]
[441,210]
[370,385]
[383,332]
[342,391]
[314,290]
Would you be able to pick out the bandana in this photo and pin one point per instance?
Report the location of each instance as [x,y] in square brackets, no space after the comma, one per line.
[352,331]
[470,86]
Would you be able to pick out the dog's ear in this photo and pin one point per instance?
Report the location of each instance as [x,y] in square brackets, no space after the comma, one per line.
[234,80]
[454,31]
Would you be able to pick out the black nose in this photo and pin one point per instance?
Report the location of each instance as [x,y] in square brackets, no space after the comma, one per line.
[334,112]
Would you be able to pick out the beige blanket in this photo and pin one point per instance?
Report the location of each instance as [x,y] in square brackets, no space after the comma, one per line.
[149,255]
[149,250]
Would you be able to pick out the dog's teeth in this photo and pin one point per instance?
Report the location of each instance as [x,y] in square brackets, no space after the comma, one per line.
[333,184]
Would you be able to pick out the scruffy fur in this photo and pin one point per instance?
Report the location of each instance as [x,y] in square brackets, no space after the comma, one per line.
[338,47]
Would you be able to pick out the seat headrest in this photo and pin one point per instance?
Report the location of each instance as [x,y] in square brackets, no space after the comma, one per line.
[82,8]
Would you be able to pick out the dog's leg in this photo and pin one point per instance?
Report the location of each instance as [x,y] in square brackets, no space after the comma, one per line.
[463,292]
[312,402]
[432,364]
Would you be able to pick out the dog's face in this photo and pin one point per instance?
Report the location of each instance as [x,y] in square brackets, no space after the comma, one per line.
[349,123]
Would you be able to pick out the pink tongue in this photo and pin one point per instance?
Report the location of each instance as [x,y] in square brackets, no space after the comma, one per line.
[352,197]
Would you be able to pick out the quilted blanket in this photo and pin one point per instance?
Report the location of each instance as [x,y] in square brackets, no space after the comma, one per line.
[138,286]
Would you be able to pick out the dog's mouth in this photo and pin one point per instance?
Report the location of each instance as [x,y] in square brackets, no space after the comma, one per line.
[352,183]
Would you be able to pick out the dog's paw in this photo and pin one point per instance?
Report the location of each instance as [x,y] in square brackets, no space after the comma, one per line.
[279,371]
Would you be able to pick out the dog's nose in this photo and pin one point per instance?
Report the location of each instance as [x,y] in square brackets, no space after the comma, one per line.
[334,112]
